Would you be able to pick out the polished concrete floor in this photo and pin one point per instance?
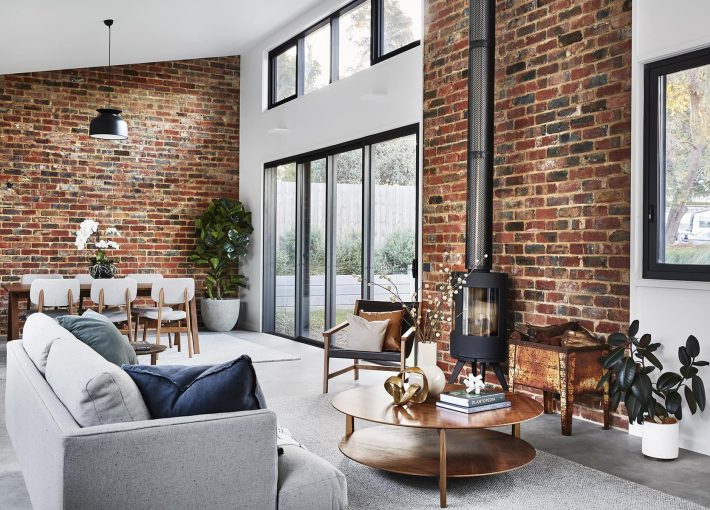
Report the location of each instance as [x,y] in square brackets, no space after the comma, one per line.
[612,451]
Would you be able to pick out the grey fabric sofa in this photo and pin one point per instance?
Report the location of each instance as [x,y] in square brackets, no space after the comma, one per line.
[215,461]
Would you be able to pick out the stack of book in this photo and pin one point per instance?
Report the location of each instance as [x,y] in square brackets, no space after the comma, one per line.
[459,400]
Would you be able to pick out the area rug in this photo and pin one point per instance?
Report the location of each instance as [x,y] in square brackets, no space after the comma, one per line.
[549,482]
[218,348]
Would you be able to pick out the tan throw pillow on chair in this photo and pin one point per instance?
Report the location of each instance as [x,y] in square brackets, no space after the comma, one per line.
[393,336]
[364,335]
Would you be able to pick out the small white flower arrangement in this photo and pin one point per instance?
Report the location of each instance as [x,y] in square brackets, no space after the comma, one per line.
[87,235]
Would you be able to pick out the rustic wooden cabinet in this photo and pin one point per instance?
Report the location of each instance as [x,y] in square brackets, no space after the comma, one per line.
[567,370]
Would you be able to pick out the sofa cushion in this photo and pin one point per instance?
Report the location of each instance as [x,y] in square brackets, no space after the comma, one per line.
[102,336]
[393,334]
[307,482]
[38,335]
[365,335]
[189,390]
[95,391]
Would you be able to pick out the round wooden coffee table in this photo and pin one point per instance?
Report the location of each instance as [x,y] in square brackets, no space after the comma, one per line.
[424,440]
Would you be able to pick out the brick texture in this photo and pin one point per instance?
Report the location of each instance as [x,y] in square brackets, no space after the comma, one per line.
[182,151]
[562,156]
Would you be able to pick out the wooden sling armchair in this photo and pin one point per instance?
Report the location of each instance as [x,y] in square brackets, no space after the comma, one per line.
[388,357]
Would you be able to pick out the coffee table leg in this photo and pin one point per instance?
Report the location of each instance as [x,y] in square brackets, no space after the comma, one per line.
[442,468]
[13,317]
[515,432]
[349,424]
[154,359]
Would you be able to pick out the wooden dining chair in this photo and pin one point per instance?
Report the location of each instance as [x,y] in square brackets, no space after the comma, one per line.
[144,278]
[118,293]
[176,292]
[55,297]
[27,279]
[386,360]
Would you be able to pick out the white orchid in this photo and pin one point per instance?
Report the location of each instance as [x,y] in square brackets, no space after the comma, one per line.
[105,245]
[112,231]
[90,228]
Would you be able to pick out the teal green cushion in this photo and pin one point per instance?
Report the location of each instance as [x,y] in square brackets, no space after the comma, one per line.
[103,337]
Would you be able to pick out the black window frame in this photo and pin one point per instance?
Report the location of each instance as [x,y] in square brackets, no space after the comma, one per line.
[376,48]
[653,177]
[273,54]
[364,143]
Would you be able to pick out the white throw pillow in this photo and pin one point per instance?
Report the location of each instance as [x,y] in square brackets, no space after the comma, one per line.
[364,335]
[95,391]
[38,335]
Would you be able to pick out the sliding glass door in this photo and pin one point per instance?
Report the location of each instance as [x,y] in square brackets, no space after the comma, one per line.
[335,222]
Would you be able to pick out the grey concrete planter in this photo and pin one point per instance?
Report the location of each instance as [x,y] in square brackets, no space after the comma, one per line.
[220,314]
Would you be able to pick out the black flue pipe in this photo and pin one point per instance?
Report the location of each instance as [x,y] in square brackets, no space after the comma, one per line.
[481,71]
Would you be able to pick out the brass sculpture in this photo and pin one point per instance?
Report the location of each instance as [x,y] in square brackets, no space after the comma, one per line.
[414,393]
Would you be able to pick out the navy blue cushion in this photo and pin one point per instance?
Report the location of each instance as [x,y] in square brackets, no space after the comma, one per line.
[171,391]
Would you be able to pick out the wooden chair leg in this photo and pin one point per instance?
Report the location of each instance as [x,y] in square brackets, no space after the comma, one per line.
[190,347]
[606,406]
[356,370]
[145,331]
[566,393]
[157,333]
[326,363]
[135,332]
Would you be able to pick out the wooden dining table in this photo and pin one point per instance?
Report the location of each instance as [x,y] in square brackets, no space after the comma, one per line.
[18,292]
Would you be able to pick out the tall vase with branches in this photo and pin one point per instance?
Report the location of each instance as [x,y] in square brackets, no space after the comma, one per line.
[437,314]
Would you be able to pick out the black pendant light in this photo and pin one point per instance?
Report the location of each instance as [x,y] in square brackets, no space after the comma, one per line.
[109,125]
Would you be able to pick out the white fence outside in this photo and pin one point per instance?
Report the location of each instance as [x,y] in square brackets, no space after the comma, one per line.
[394,208]
[347,290]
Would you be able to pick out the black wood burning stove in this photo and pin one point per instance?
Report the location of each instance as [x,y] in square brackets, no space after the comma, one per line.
[480,331]
[480,327]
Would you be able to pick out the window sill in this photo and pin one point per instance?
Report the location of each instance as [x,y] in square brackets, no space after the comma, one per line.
[670,284]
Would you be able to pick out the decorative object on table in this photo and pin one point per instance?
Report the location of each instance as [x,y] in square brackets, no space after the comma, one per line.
[565,364]
[657,405]
[109,125]
[437,314]
[463,398]
[475,409]
[414,393]
[89,236]
[474,383]
[393,360]
[223,239]
[426,361]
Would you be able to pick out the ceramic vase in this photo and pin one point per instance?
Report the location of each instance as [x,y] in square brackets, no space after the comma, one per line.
[426,361]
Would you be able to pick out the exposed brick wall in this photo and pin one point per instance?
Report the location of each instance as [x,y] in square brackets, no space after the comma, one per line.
[562,155]
[182,151]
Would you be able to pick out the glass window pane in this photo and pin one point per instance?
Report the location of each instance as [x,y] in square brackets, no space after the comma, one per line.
[394,214]
[316,47]
[285,285]
[685,168]
[313,299]
[285,79]
[348,232]
[402,22]
[354,34]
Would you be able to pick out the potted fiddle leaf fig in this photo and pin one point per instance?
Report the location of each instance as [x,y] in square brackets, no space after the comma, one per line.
[223,239]
[630,367]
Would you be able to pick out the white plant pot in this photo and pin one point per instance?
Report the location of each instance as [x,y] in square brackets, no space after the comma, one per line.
[220,314]
[659,440]
[426,361]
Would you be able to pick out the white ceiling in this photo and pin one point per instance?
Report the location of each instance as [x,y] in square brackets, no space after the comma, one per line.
[43,35]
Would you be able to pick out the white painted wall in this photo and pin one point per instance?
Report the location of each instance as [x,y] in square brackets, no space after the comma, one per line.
[385,96]
[670,311]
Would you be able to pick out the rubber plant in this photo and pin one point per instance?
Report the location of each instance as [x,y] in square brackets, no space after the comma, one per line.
[629,367]
[223,238]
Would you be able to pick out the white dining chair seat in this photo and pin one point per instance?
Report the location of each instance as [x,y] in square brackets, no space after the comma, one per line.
[51,313]
[115,315]
[172,315]
[139,310]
